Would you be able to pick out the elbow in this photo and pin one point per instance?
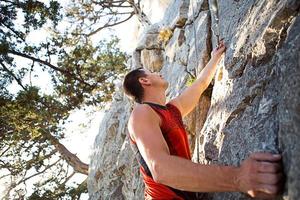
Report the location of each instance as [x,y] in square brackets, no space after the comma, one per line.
[158,174]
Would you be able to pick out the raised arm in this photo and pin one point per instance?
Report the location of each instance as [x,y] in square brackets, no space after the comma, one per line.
[186,175]
[190,96]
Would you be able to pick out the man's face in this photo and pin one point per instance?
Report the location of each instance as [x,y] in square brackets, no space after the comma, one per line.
[156,79]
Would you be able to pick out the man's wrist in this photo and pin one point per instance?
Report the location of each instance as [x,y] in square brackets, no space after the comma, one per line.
[236,179]
[230,176]
[215,58]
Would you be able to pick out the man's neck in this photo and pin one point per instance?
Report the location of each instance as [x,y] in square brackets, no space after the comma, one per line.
[155,98]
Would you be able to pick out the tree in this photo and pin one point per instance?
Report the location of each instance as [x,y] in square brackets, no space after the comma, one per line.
[82,74]
[91,16]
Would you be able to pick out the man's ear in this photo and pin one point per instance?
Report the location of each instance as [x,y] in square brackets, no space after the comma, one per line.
[144,81]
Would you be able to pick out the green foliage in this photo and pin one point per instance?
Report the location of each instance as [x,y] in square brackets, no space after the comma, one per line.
[30,107]
[104,63]
[190,81]
[59,192]
[82,73]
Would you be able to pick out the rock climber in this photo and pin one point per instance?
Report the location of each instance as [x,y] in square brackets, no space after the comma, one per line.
[160,142]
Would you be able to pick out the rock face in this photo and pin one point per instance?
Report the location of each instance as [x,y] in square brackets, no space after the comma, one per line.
[253,103]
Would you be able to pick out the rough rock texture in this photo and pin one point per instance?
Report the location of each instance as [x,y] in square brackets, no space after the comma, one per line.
[252,105]
[113,169]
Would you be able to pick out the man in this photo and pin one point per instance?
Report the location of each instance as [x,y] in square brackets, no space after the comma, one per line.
[160,141]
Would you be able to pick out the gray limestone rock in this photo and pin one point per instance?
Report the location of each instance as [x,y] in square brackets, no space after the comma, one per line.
[148,40]
[288,108]
[198,38]
[152,59]
[252,105]
[174,44]
[113,170]
[246,113]
[176,14]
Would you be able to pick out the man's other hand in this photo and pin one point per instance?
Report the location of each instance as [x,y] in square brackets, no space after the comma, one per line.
[218,51]
[261,175]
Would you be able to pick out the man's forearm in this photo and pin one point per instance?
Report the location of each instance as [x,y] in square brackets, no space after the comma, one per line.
[207,74]
[183,174]
[190,96]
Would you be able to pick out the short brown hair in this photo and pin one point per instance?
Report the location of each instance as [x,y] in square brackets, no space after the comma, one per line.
[132,86]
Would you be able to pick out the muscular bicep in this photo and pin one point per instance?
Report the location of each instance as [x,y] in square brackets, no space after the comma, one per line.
[144,127]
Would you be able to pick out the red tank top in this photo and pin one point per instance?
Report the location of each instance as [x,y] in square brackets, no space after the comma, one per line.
[175,136]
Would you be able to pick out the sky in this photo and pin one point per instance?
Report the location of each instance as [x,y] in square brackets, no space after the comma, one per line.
[84,126]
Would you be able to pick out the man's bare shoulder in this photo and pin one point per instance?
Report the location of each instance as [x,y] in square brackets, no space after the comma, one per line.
[142,118]
[140,112]
[143,114]
[140,108]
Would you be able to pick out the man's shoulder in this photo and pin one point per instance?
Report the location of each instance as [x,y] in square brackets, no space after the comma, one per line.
[140,108]
[142,116]
[140,111]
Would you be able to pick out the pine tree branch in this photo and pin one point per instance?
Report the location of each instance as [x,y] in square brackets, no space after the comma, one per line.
[13,75]
[38,60]
[118,4]
[109,25]
[14,184]
[46,168]
[49,65]
[69,177]
[139,13]
[3,152]
[1,177]
[29,162]
[14,31]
